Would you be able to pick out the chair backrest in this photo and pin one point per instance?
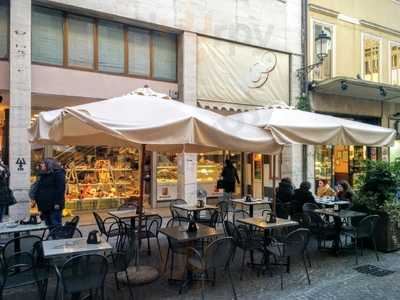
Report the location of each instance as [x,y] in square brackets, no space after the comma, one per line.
[296,242]
[240,214]
[153,224]
[366,227]
[21,253]
[177,222]
[223,207]
[215,215]
[100,223]
[64,232]
[84,272]
[219,253]
[74,222]
[313,218]
[309,207]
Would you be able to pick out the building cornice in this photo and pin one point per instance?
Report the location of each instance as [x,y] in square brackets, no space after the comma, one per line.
[382,28]
[323,10]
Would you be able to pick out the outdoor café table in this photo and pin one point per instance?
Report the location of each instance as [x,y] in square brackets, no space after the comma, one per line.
[194,208]
[252,203]
[343,213]
[11,228]
[130,214]
[180,234]
[330,202]
[261,222]
[74,246]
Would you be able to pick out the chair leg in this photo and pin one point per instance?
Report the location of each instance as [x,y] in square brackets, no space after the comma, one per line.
[305,267]
[362,247]
[166,260]
[159,250]
[242,266]
[129,285]
[288,264]
[309,259]
[116,281]
[376,252]
[148,246]
[232,285]
[356,249]
[202,287]
[172,264]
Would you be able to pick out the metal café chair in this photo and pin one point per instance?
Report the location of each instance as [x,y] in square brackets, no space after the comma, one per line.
[150,230]
[64,232]
[364,230]
[22,264]
[294,244]
[82,273]
[217,256]
[120,260]
[109,227]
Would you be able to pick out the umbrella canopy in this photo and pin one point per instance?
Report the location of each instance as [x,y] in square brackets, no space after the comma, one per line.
[289,125]
[147,118]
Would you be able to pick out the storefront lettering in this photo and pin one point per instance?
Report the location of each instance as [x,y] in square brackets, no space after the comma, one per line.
[20,163]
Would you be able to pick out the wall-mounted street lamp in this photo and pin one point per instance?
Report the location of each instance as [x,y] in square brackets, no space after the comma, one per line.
[322,43]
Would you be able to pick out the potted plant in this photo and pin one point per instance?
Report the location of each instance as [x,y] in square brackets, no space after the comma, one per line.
[377,193]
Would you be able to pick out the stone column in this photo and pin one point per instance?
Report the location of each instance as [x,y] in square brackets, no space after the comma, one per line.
[187,79]
[292,161]
[20,105]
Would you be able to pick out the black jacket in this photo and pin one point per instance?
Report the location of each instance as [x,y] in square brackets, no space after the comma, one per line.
[51,190]
[229,174]
[284,192]
[301,197]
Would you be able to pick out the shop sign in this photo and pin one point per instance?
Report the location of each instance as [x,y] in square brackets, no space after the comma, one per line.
[20,163]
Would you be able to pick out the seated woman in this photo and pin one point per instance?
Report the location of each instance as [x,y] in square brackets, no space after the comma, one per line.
[301,196]
[324,189]
[284,192]
[344,191]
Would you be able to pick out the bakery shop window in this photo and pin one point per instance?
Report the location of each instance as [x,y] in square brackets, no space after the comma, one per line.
[209,169]
[99,177]
[167,177]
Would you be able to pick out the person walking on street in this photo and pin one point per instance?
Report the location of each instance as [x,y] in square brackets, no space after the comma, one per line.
[6,195]
[50,192]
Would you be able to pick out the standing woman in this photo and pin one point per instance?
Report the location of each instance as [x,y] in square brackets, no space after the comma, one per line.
[229,177]
[50,191]
[6,195]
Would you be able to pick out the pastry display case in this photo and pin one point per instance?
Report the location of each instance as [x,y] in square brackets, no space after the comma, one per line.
[99,177]
[167,177]
[209,169]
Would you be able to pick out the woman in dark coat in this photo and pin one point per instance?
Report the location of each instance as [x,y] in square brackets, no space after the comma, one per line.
[301,196]
[284,192]
[50,192]
[230,177]
[6,198]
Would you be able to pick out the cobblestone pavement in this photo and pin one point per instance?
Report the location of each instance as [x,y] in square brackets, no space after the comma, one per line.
[331,278]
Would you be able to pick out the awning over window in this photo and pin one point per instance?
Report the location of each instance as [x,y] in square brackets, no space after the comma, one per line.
[225,107]
[357,88]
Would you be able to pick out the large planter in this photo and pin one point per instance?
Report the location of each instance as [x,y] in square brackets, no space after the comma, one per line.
[387,234]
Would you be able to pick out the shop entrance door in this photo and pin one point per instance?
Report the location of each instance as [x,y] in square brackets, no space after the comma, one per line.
[257,176]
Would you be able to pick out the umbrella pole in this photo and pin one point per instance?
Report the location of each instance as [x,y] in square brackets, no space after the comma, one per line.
[273,185]
[141,274]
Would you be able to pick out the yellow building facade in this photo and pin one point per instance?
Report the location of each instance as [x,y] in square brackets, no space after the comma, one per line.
[359,78]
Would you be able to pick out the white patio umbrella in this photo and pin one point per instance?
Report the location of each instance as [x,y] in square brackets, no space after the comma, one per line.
[289,125]
[149,120]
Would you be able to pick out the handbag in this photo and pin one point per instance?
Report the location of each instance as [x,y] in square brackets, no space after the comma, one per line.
[11,198]
[33,190]
[220,184]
